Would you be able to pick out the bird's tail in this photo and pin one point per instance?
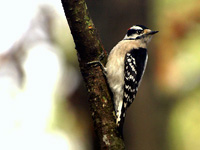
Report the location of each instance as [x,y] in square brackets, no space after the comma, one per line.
[120,123]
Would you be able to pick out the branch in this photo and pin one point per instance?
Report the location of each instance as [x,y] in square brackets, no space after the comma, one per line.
[89,47]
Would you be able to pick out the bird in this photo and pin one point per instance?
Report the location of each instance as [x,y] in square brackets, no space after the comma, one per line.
[125,67]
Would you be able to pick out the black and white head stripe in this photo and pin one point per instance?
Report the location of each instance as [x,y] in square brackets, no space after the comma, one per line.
[136,29]
[143,27]
[136,32]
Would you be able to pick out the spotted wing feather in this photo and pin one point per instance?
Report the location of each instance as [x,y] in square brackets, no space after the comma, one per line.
[135,63]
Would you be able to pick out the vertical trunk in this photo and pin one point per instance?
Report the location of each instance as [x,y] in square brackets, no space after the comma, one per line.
[88,48]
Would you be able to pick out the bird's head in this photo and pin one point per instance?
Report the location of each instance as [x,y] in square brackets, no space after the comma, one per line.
[139,32]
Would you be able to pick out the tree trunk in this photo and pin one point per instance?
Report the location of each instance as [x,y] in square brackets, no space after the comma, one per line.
[89,47]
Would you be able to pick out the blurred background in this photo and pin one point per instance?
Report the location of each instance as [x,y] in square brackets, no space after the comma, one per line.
[43,100]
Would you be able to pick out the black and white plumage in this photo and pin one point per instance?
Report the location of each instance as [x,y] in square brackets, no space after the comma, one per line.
[125,67]
[135,64]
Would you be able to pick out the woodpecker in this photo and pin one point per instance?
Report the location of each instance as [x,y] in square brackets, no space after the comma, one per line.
[125,68]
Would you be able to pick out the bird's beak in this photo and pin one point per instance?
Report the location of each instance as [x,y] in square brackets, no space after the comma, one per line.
[147,33]
[152,32]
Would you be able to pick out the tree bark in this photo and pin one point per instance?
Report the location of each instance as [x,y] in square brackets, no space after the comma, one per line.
[89,48]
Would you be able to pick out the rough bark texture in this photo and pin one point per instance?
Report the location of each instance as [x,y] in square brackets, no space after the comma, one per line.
[89,47]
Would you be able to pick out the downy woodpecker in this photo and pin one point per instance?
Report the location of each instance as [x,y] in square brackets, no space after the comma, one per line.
[125,67]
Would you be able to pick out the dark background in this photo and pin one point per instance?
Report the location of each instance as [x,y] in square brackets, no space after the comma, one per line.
[42,94]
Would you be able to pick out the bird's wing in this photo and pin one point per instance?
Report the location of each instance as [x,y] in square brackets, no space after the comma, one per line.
[135,63]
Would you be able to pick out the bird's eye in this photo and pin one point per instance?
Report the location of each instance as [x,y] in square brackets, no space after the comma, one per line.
[139,31]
